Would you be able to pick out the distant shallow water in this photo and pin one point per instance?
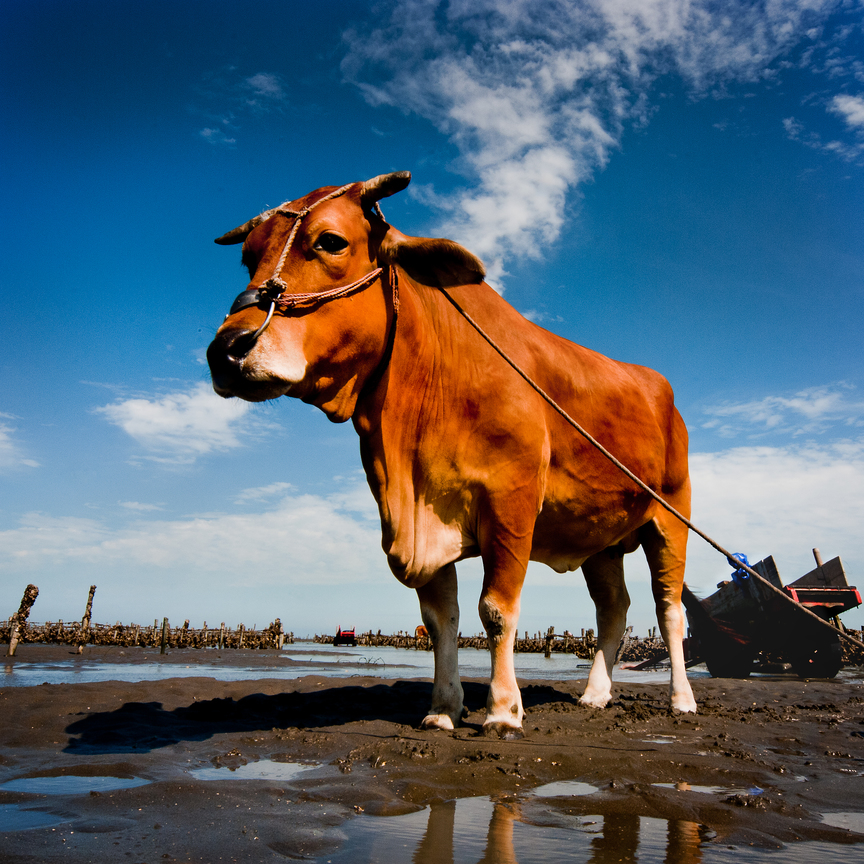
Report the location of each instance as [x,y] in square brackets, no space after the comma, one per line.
[40,664]
[294,661]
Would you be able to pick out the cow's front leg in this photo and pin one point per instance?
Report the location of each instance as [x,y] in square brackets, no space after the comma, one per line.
[439,608]
[499,612]
[604,576]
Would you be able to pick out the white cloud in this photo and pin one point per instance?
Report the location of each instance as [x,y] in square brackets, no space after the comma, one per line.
[304,540]
[779,501]
[807,412]
[11,455]
[536,96]
[850,108]
[179,427]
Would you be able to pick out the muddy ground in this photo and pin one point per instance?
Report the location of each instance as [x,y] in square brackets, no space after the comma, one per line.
[800,742]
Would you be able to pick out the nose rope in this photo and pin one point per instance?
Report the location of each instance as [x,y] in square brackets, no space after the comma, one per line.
[275,287]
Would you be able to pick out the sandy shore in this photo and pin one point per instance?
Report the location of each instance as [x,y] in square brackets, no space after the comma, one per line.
[800,742]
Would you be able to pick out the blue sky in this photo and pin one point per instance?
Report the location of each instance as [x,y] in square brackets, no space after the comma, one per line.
[677,185]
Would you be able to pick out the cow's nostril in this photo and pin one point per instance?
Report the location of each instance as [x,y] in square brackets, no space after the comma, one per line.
[239,345]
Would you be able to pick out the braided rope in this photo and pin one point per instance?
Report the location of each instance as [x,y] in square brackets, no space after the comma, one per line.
[276,281]
[311,297]
[641,484]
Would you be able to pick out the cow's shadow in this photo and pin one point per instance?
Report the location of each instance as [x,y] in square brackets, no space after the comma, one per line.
[146,726]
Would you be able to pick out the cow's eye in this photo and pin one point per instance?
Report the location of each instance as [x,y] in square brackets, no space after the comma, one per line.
[331,243]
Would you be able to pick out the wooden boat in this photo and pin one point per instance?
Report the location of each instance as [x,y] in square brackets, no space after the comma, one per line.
[744,618]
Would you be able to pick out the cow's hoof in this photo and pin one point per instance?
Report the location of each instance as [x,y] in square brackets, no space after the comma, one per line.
[594,700]
[684,706]
[497,729]
[437,721]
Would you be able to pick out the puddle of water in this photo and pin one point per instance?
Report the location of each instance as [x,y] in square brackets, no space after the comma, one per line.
[15,817]
[264,769]
[478,829]
[564,787]
[70,784]
[469,830]
[852,821]
[710,790]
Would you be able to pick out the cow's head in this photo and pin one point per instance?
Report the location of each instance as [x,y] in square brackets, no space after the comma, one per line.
[323,352]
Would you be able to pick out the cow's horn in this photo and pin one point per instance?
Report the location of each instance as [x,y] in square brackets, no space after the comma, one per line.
[238,235]
[383,186]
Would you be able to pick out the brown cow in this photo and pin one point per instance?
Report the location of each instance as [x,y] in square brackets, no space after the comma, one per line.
[463,458]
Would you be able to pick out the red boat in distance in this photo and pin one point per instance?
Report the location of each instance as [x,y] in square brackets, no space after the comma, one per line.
[345,637]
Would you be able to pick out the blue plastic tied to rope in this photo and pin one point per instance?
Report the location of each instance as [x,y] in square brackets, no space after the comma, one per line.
[739,575]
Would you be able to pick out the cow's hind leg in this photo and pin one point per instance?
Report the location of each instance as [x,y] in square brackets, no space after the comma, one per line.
[439,608]
[604,575]
[664,540]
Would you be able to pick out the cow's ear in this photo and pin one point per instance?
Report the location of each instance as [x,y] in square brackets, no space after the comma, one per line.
[436,262]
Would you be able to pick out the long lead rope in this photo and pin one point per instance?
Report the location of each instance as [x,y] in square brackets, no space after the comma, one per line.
[640,483]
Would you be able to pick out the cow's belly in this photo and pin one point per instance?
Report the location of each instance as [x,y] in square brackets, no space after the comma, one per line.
[560,562]
[564,537]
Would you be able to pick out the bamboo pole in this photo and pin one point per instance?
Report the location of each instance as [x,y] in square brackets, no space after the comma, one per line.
[19,619]
[85,622]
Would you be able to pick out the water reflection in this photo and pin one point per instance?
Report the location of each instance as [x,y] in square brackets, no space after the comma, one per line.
[511,839]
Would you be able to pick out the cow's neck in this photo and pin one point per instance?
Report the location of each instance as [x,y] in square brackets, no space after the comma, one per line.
[398,425]
[420,348]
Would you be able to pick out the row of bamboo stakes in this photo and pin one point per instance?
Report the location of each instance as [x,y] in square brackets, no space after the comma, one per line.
[274,636]
[583,646]
[164,636]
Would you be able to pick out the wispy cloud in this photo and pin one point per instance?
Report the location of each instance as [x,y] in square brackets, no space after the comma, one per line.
[538,316]
[536,97]
[807,412]
[228,99]
[180,426]
[11,454]
[266,89]
[138,507]
[849,151]
[262,493]
[216,137]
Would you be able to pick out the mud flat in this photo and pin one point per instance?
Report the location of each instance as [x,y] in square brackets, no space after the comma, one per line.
[335,769]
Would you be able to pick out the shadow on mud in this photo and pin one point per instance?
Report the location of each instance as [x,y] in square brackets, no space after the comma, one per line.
[145,726]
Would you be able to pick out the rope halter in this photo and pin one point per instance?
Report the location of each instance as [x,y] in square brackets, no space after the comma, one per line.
[275,289]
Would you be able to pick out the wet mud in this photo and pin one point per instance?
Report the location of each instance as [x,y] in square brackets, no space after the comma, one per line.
[759,767]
